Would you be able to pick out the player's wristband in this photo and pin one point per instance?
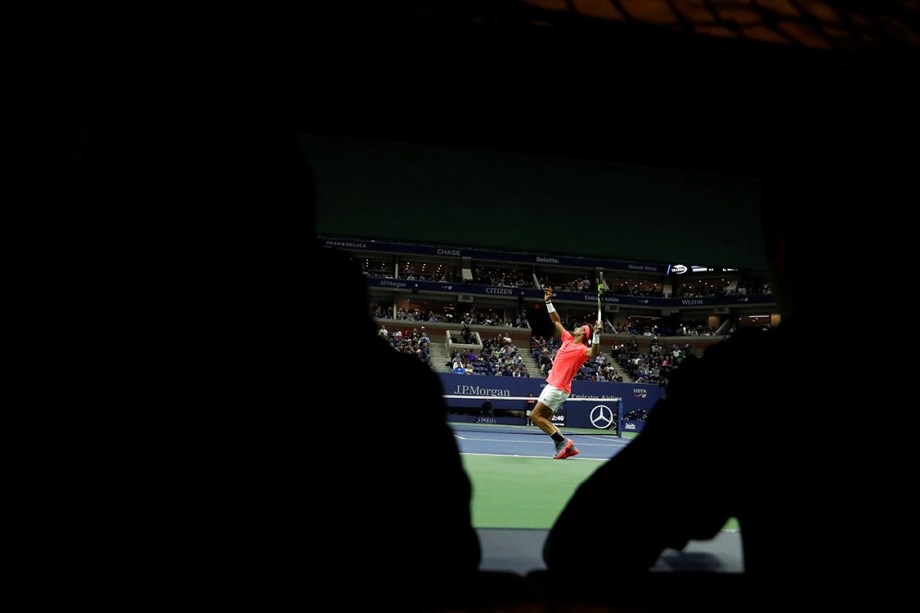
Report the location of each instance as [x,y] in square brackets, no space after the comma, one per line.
[550,308]
[596,339]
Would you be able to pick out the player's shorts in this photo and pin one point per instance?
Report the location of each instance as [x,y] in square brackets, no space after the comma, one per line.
[553,397]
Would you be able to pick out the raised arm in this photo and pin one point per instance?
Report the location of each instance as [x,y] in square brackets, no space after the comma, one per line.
[595,349]
[553,315]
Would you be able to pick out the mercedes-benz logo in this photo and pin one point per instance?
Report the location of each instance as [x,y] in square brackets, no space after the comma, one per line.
[601,417]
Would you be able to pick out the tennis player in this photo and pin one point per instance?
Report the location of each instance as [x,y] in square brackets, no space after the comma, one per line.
[573,353]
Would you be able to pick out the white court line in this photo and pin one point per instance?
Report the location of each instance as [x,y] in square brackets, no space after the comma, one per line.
[617,440]
[613,443]
[539,457]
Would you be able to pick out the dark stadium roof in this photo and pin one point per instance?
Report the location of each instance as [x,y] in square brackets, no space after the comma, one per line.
[700,85]
[725,87]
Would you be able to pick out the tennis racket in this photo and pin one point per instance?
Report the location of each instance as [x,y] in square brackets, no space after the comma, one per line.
[600,290]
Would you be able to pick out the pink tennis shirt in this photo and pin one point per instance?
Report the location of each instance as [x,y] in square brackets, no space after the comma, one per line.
[568,360]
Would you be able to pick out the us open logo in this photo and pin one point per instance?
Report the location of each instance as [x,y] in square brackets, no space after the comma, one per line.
[601,417]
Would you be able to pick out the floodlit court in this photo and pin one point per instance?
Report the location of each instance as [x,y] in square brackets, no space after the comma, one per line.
[519,489]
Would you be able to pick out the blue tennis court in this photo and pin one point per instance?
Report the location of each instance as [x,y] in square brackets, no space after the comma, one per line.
[529,441]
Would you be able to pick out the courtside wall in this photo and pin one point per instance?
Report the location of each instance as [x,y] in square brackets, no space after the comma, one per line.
[468,391]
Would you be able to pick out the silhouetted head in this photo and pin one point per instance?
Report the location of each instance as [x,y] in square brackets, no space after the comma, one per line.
[816,219]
